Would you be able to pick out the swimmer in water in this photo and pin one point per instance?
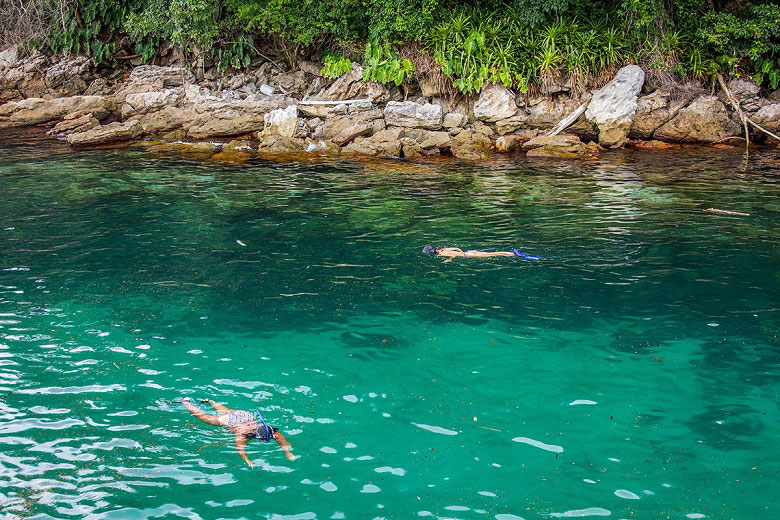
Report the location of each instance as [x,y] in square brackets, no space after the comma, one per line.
[453,252]
[243,424]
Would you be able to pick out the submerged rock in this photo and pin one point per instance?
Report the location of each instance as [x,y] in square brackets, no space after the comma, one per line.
[559,147]
[277,144]
[495,102]
[613,107]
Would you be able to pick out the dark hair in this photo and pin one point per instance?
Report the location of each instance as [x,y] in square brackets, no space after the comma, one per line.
[427,250]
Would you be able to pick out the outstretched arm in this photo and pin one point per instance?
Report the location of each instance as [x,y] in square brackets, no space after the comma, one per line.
[241,447]
[286,446]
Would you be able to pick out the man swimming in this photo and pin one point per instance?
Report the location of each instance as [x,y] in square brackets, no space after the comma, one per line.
[243,424]
[453,252]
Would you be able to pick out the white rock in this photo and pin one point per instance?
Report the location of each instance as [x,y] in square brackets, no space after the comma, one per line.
[613,107]
[413,115]
[495,102]
[454,120]
[282,121]
[144,102]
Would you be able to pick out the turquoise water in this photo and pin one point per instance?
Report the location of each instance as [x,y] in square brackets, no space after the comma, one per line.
[632,372]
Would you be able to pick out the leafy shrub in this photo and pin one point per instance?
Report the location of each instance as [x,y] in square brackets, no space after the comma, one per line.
[747,41]
[383,65]
[336,65]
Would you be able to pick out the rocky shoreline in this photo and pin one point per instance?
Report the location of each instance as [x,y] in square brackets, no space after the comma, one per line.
[267,112]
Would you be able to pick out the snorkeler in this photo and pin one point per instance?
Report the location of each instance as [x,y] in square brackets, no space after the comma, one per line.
[243,424]
[453,252]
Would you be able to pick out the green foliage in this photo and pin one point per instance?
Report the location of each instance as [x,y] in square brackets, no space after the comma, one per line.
[336,65]
[181,22]
[88,29]
[476,48]
[524,44]
[383,65]
[746,41]
[303,21]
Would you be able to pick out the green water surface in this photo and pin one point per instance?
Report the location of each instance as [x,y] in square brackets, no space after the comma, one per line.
[632,372]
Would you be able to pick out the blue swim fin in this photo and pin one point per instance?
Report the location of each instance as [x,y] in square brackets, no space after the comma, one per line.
[525,256]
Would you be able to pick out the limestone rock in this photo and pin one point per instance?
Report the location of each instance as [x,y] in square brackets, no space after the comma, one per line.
[99,87]
[25,79]
[495,102]
[218,118]
[277,144]
[113,133]
[483,129]
[746,92]
[165,120]
[334,124]
[35,111]
[197,150]
[471,145]
[385,143]
[546,112]
[454,120]
[290,82]
[511,142]
[239,145]
[322,147]
[562,146]
[653,111]
[359,127]
[511,124]
[9,58]
[145,102]
[282,121]
[66,77]
[152,78]
[704,121]
[769,117]
[430,139]
[314,110]
[74,125]
[413,115]
[352,86]
[613,107]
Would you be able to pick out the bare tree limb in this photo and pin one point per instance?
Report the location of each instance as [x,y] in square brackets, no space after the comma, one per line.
[745,119]
[569,120]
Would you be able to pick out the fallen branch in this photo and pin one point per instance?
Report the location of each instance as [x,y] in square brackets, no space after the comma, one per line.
[567,121]
[736,106]
[726,212]
[745,119]
[338,102]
